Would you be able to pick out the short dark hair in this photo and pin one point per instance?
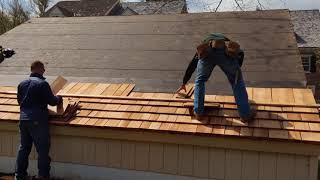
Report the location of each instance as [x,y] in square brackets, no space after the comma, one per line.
[36,65]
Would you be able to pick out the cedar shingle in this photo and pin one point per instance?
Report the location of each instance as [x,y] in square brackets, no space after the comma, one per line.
[204,129]
[245,131]
[257,132]
[218,129]
[269,124]
[295,135]
[278,134]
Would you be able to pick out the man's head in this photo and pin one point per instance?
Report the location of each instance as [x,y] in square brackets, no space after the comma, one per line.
[37,67]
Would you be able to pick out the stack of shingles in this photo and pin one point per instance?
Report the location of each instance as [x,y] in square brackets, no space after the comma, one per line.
[287,114]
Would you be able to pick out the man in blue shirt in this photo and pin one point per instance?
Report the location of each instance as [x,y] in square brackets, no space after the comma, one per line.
[34,95]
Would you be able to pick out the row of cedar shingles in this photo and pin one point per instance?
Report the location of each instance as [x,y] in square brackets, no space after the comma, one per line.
[155,115]
[134,106]
[98,89]
[258,95]
[167,107]
[170,107]
[146,116]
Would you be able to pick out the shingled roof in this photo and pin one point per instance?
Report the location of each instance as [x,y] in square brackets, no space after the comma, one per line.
[155,7]
[68,8]
[307,27]
[153,51]
[84,7]
[283,114]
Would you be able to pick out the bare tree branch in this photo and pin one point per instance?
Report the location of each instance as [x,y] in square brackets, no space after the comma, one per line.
[5,22]
[260,5]
[17,13]
[39,7]
[238,5]
[218,6]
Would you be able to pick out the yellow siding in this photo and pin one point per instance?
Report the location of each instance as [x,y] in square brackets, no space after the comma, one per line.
[267,166]
[217,163]
[250,164]
[285,160]
[156,157]
[171,152]
[188,160]
[201,162]
[233,165]
[128,155]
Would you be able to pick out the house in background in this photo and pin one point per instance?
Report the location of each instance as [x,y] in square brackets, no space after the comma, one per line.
[115,7]
[152,7]
[82,8]
[307,30]
[64,9]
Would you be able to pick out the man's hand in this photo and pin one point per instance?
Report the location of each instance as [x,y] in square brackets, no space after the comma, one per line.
[182,87]
[60,100]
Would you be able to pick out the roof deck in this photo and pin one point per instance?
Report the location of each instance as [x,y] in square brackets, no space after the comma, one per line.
[153,51]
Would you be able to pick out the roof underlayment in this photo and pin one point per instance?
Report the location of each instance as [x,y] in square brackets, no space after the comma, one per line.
[153,51]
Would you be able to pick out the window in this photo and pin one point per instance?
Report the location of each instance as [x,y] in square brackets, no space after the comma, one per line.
[306,62]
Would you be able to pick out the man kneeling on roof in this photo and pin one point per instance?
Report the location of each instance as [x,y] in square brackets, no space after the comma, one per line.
[229,58]
[34,95]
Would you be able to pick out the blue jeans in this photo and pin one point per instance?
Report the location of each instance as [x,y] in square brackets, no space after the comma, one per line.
[233,72]
[37,133]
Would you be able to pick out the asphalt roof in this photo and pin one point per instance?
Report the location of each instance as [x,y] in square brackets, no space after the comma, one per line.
[156,7]
[84,7]
[153,51]
[307,27]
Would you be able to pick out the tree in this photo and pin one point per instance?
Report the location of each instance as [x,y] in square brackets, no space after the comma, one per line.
[40,6]
[12,14]
[4,19]
[17,13]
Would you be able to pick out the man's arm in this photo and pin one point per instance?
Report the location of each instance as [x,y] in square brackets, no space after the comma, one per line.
[19,95]
[49,96]
[240,57]
[191,68]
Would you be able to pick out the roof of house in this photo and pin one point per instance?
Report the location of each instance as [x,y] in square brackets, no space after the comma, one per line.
[282,113]
[96,7]
[307,27]
[68,8]
[153,51]
[126,12]
[156,7]
[84,7]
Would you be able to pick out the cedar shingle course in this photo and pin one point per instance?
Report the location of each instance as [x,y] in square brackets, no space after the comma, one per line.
[142,112]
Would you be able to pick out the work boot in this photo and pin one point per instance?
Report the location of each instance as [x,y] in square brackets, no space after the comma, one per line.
[43,178]
[198,116]
[250,118]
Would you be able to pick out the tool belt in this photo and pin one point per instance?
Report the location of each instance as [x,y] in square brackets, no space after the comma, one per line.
[202,50]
